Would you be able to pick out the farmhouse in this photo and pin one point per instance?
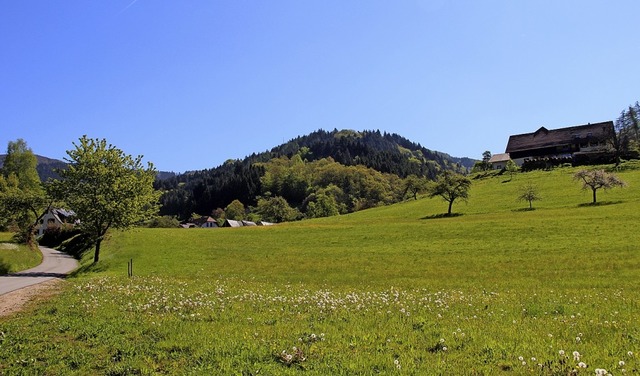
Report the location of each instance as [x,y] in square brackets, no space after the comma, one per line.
[205,222]
[55,218]
[589,139]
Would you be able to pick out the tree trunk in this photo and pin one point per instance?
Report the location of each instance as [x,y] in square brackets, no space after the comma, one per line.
[96,255]
[30,236]
[530,205]
[594,196]
[450,205]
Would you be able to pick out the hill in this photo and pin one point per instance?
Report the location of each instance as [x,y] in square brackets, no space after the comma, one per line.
[376,156]
[46,167]
[394,289]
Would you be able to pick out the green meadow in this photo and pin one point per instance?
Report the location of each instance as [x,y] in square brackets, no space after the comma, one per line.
[496,289]
[16,257]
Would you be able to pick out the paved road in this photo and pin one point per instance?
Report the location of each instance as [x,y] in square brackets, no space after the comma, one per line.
[55,264]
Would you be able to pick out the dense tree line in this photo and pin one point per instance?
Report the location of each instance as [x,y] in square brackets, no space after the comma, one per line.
[372,158]
[626,138]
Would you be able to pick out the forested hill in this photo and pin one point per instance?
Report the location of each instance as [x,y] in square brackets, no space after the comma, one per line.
[371,155]
[384,152]
[46,167]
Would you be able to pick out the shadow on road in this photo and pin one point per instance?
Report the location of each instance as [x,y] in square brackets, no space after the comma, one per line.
[37,274]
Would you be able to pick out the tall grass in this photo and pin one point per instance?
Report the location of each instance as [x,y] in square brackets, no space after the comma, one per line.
[496,289]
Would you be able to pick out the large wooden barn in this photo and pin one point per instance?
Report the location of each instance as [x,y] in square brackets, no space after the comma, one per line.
[560,143]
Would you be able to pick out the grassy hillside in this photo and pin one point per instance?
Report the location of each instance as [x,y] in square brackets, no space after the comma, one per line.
[395,289]
[15,257]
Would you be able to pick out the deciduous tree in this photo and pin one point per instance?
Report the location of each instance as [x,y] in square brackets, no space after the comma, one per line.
[511,168]
[276,209]
[235,210]
[414,184]
[486,157]
[451,186]
[106,188]
[596,179]
[23,201]
[529,192]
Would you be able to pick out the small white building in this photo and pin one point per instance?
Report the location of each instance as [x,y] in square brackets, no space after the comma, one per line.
[56,218]
[499,161]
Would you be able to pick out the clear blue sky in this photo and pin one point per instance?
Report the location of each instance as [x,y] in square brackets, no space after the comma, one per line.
[190,84]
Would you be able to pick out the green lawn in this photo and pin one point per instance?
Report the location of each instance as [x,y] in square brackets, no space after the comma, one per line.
[14,257]
[390,290]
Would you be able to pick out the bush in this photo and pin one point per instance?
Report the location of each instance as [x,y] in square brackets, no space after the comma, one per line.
[54,236]
[165,221]
[77,245]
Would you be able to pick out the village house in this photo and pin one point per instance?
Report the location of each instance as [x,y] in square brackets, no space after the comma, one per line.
[205,222]
[56,218]
[562,143]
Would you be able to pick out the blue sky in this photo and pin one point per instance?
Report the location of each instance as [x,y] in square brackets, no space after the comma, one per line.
[190,84]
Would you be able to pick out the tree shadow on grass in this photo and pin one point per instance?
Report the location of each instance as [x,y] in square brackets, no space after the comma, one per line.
[89,268]
[600,203]
[523,210]
[444,215]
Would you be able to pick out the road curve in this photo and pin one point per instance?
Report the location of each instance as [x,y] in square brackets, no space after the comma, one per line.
[55,264]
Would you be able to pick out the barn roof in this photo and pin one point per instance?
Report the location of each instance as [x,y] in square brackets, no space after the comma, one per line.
[544,138]
[232,223]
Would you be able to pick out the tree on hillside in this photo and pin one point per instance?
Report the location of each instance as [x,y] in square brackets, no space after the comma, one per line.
[276,209]
[529,192]
[106,188]
[21,162]
[451,186]
[511,167]
[486,157]
[23,201]
[414,184]
[624,137]
[235,210]
[320,204]
[596,179]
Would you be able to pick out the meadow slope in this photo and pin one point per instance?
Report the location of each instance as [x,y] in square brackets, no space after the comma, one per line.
[395,289]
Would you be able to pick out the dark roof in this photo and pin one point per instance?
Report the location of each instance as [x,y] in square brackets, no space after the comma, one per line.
[202,220]
[543,137]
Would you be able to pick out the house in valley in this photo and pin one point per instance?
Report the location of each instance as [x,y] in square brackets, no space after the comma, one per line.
[205,222]
[56,218]
[563,143]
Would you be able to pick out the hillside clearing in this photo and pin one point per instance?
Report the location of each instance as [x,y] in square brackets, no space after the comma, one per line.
[392,289]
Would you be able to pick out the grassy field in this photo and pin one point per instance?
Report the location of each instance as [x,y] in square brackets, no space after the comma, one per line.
[14,257]
[396,289]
